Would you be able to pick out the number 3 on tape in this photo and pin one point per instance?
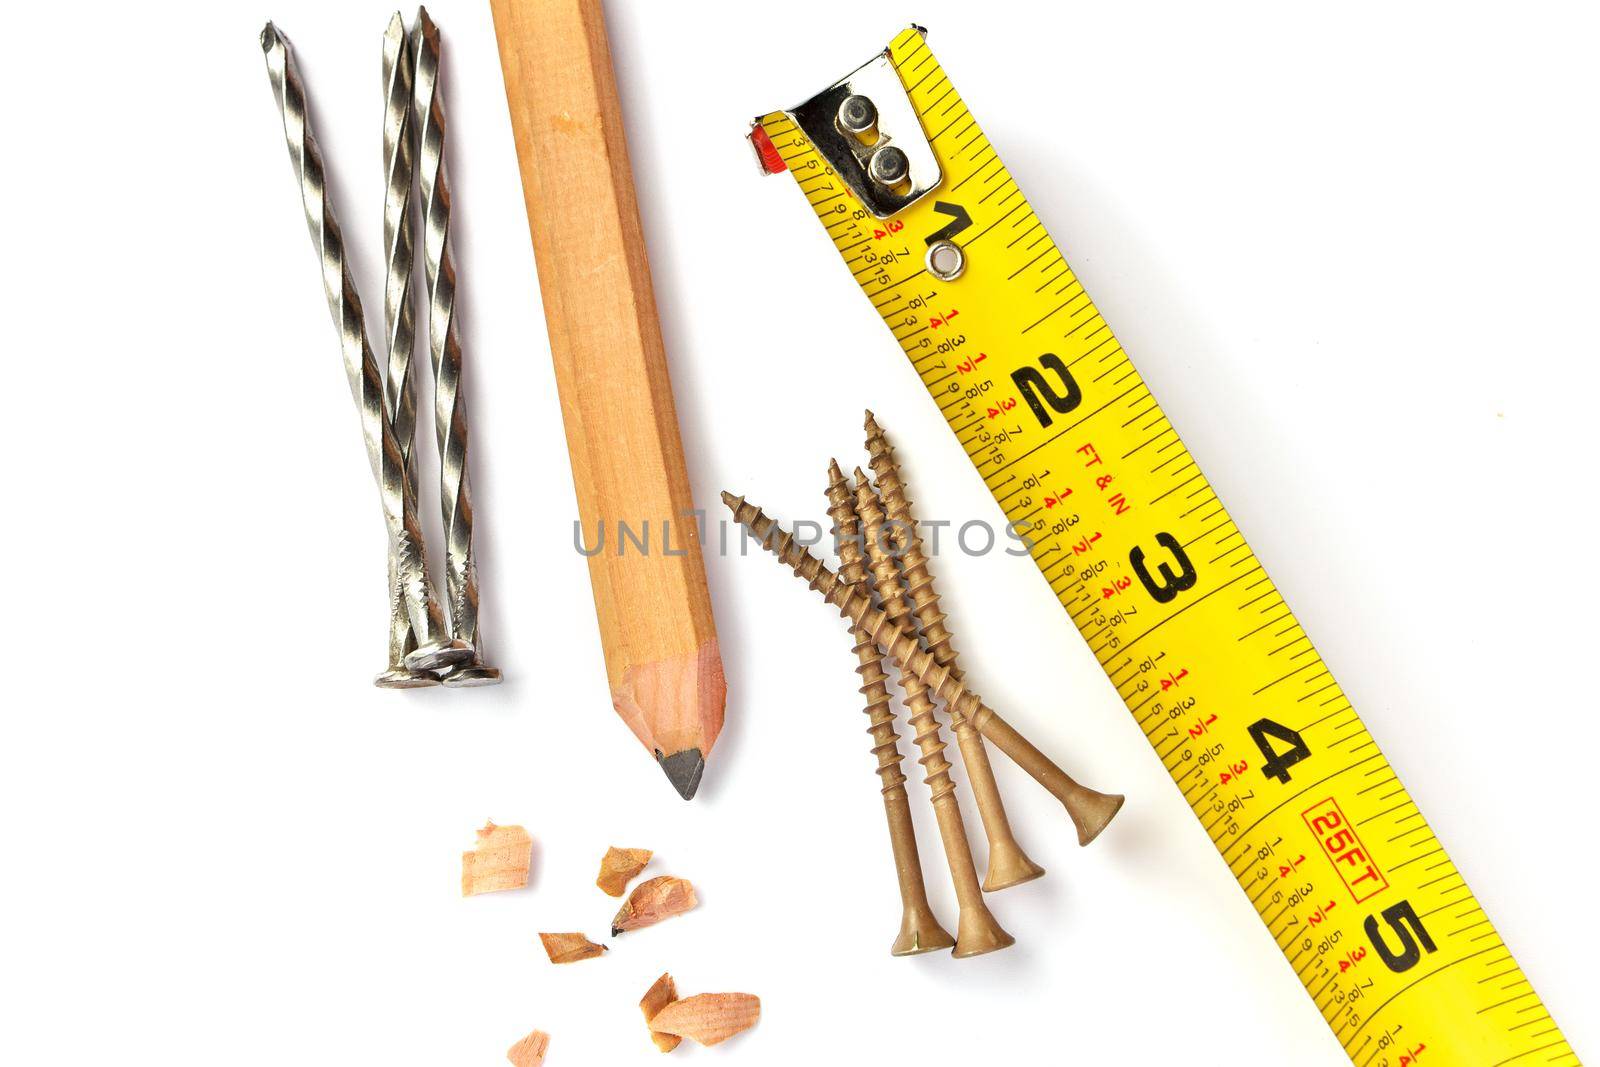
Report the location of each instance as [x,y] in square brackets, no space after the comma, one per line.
[1286,781]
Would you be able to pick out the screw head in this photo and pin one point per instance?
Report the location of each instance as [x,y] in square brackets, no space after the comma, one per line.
[857,114]
[888,166]
[946,261]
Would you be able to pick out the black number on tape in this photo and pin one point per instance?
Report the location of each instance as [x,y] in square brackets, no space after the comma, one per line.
[959,220]
[1263,732]
[1172,583]
[1032,384]
[1410,952]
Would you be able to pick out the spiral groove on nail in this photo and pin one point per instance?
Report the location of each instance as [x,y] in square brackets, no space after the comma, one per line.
[449,406]
[396,492]
[399,306]
[919,705]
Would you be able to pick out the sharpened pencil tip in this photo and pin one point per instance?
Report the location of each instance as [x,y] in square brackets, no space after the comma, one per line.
[683,770]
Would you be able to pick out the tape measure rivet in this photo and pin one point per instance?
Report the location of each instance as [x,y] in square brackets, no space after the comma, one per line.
[946,261]
[888,166]
[857,114]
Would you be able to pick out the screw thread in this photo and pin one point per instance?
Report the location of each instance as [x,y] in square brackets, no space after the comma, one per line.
[869,661]
[919,705]
[1090,810]
[914,562]
[898,639]
[885,738]
[1008,864]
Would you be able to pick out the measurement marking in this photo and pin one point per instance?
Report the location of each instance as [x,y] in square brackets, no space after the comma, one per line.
[1062,433]
[1360,731]
[1058,307]
[1375,785]
[1462,888]
[1286,677]
[1262,596]
[1324,689]
[1503,1003]
[1381,814]
[1322,720]
[1530,1052]
[1414,859]
[1151,441]
[956,187]
[1454,889]
[1296,796]
[1191,604]
[943,80]
[996,222]
[970,123]
[958,118]
[1022,236]
[1118,365]
[1407,987]
[1138,414]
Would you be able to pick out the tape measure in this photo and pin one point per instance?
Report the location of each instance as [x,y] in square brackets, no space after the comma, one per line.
[1337,859]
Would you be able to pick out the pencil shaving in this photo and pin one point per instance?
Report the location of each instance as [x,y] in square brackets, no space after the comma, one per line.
[619,867]
[529,1052]
[709,1018]
[663,993]
[570,948]
[499,862]
[652,901]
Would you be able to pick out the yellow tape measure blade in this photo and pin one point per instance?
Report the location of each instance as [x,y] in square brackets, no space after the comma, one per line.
[1338,861]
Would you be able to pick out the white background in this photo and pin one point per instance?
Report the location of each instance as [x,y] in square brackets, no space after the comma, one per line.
[1353,249]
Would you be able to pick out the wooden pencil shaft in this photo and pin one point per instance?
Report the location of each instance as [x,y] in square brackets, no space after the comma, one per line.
[654,610]
[977,930]
[1089,810]
[1009,865]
